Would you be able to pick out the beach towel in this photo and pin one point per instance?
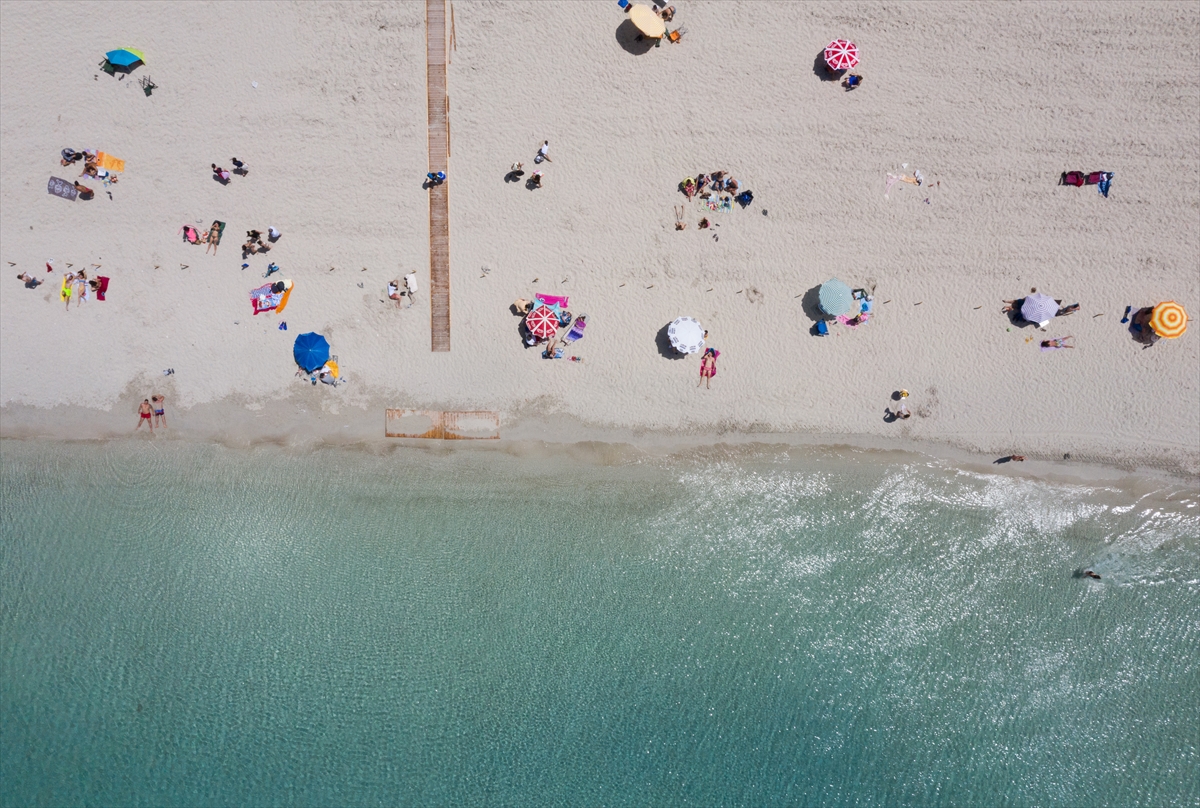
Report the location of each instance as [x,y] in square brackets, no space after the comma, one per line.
[109,162]
[100,292]
[552,300]
[263,299]
[844,320]
[1105,184]
[62,188]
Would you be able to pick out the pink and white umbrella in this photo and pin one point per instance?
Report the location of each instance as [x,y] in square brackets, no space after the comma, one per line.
[841,54]
[542,322]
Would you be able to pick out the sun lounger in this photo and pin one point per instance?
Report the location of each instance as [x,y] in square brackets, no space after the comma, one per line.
[576,331]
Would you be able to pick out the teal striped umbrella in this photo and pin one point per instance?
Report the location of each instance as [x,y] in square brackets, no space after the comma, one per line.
[835,297]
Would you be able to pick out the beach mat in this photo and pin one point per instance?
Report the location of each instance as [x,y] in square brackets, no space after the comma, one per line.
[110,162]
[220,231]
[62,188]
[103,286]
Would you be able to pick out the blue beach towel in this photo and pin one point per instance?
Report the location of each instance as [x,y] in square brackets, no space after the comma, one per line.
[1105,184]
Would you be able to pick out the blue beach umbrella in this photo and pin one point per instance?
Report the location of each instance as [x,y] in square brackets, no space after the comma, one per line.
[124,57]
[311,351]
[835,297]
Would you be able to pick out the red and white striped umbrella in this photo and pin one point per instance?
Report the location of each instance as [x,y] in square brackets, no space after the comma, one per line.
[542,322]
[841,54]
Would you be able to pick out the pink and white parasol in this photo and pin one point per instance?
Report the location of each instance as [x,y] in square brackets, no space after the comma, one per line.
[841,54]
[542,322]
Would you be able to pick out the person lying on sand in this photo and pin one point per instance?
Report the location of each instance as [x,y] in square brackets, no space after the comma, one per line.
[1065,310]
[1057,342]
[214,237]
[249,248]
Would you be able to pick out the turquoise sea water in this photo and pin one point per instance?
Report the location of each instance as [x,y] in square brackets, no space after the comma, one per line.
[194,625]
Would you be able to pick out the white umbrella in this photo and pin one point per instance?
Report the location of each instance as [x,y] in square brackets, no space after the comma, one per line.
[686,335]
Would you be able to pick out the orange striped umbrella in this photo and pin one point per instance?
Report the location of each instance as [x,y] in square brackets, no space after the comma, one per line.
[1168,319]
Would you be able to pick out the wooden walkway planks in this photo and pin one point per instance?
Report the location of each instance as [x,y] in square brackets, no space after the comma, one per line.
[439,159]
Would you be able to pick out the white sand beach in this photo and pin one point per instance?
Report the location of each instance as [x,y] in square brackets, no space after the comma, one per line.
[326,104]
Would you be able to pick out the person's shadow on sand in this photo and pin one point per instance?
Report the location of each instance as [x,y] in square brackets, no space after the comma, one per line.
[514,176]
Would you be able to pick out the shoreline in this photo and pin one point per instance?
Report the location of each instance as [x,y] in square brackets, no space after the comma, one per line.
[305,425]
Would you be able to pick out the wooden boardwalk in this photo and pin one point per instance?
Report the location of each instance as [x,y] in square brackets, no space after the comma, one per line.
[439,159]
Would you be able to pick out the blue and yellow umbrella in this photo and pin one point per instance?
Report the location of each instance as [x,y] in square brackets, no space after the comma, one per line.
[125,57]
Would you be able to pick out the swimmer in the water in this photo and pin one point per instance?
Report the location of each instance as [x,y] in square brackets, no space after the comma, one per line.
[1091,574]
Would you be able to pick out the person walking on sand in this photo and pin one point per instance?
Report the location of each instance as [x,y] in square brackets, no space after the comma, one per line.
[543,153]
[221,174]
[160,411]
[144,413]
[29,281]
[708,367]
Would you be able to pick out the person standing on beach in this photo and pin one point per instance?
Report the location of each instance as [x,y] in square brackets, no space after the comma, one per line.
[144,414]
[159,411]
[544,153]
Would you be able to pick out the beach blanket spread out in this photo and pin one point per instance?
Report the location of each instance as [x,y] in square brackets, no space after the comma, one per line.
[62,188]
[110,162]
[263,299]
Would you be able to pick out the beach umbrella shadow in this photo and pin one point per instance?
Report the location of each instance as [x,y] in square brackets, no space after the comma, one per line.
[822,71]
[663,341]
[811,304]
[632,40]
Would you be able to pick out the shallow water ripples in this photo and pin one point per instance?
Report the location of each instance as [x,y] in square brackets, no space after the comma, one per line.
[338,628]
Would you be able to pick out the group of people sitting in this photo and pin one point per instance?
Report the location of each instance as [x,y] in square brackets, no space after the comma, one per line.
[91,168]
[254,242]
[397,291]
[707,185]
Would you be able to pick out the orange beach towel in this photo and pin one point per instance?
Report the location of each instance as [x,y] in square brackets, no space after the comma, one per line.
[109,162]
